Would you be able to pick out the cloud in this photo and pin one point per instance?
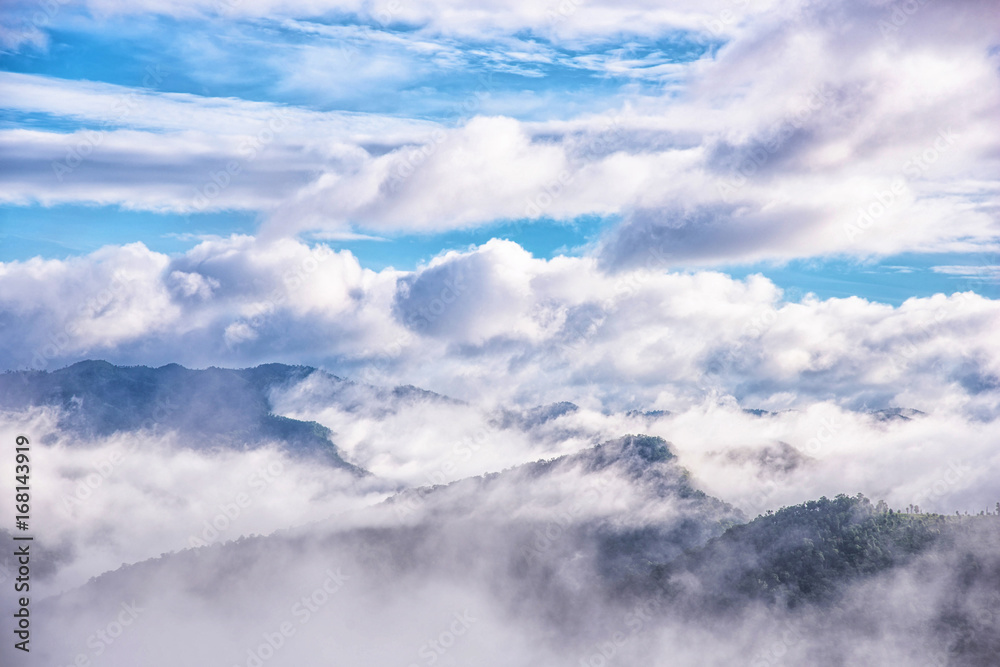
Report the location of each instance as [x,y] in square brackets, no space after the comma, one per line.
[495,324]
[705,134]
[529,566]
[571,20]
[136,494]
[755,461]
[988,272]
[13,38]
[760,149]
[867,158]
[155,151]
[146,108]
[128,297]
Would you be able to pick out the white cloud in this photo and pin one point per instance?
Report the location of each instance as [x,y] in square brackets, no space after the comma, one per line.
[12,38]
[817,129]
[494,324]
[135,495]
[989,272]
[570,21]
[811,132]
[145,108]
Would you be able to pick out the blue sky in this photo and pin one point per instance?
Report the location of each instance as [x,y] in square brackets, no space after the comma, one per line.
[62,231]
[763,220]
[558,77]
[258,60]
[623,203]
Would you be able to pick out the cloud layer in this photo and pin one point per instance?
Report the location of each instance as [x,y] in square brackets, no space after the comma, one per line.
[496,324]
[801,130]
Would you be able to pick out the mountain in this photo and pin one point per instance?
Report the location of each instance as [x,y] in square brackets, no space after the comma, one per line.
[609,555]
[214,407]
[890,414]
[805,553]
[606,552]
[527,419]
[542,541]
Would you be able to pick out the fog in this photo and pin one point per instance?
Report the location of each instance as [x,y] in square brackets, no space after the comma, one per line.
[495,535]
[543,564]
[132,496]
[758,460]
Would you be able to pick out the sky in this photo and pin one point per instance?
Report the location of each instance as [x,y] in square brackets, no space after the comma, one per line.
[227,182]
[765,231]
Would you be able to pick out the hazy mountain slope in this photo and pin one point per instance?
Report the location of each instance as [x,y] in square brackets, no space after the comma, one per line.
[807,552]
[215,407]
[545,543]
[608,556]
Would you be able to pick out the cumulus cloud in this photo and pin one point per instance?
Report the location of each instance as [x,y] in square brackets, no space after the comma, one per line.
[809,160]
[727,132]
[131,298]
[495,324]
[500,330]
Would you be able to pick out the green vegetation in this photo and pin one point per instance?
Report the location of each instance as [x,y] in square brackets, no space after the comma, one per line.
[807,552]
